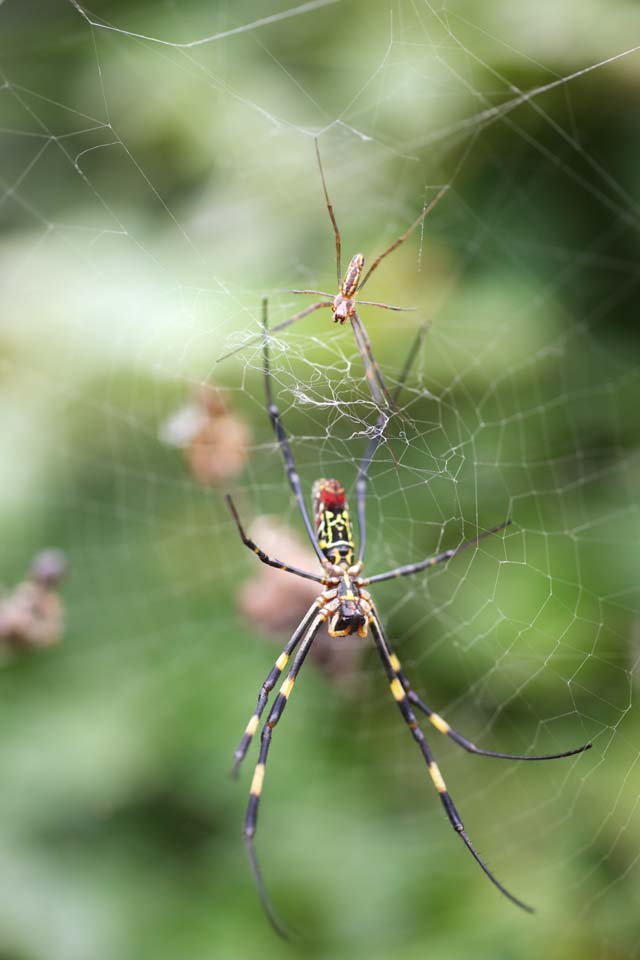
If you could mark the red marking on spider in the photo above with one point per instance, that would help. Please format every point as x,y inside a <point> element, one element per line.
<point>332,494</point>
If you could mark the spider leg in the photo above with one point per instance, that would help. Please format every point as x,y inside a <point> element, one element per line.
<point>400,696</point>
<point>274,414</point>
<point>268,686</point>
<point>279,326</point>
<point>331,213</point>
<point>442,726</point>
<point>251,818</point>
<point>261,555</point>
<point>313,293</point>
<point>374,443</point>
<point>373,303</point>
<point>396,243</point>
<point>298,316</point>
<point>410,569</point>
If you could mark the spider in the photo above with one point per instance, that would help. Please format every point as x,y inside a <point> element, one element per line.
<point>343,305</point>
<point>346,606</point>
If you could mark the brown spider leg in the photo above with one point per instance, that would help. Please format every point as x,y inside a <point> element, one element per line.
<point>374,443</point>
<point>312,293</point>
<point>401,699</point>
<point>299,316</point>
<point>411,568</point>
<point>280,326</point>
<point>396,243</point>
<point>374,303</point>
<point>442,726</point>
<point>331,214</point>
<point>251,819</point>
<point>269,684</point>
<point>261,555</point>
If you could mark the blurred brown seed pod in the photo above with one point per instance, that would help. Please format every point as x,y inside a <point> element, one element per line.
<point>215,439</point>
<point>32,615</point>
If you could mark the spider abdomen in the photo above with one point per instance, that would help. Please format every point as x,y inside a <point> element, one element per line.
<point>333,523</point>
<point>352,276</point>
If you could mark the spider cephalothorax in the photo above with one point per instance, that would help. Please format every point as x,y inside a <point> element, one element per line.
<point>347,604</point>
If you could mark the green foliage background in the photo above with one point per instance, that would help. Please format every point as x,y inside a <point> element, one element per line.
<point>150,195</point>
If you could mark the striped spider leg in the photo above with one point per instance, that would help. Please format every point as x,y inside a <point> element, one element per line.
<point>406,698</point>
<point>343,305</point>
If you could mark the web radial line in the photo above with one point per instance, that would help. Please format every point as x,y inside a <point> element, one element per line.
<point>331,213</point>
<point>274,414</point>
<point>190,44</point>
<point>374,443</point>
<point>400,696</point>
<point>251,819</point>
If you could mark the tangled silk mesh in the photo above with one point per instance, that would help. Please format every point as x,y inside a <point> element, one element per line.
<point>122,295</point>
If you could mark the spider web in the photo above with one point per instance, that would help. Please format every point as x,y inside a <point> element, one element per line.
<point>158,178</point>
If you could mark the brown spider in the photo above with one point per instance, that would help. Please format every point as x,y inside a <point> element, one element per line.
<point>343,304</point>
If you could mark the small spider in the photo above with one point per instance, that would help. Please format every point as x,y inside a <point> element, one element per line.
<point>346,606</point>
<point>344,304</point>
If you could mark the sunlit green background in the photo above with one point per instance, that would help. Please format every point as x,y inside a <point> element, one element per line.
<point>151,193</point>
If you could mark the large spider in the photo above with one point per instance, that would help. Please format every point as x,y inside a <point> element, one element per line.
<point>343,305</point>
<point>346,607</point>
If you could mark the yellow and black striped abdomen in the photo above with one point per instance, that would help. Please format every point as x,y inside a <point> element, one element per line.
<point>333,523</point>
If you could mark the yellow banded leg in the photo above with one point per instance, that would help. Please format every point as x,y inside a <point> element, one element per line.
<point>392,665</point>
<point>268,686</point>
<point>401,697</point>
<point>442,726</point>
<point>402,681</point>
<point>277,709</point>
<point>275,714</point>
